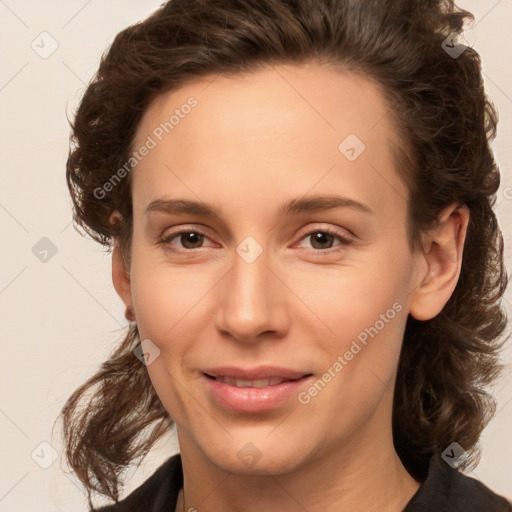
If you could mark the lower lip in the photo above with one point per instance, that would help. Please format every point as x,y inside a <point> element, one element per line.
<point>253,399</point>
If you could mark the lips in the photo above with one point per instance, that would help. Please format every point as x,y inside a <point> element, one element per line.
<point>253,390</point>
<point>260,372</point>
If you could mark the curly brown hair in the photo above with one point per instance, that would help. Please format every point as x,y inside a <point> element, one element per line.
<point>446,124</point>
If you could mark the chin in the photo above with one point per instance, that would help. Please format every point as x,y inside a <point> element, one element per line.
<point>255,458</point>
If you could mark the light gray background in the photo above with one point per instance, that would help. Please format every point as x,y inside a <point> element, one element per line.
<point>60,318</point>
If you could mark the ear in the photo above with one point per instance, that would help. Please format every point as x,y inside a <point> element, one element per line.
<point>441,261</point>
<point>121,275</point>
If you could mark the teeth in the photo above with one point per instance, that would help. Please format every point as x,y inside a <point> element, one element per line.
<point>240,383</point>
<point>259,383</point>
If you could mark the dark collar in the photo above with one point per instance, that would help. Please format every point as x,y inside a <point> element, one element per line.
<point>444,490</point>
<point>448,490</point>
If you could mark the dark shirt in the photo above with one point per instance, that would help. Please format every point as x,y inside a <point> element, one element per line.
<point>444,490</point>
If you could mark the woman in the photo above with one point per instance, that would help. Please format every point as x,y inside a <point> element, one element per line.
<point>299,198</point>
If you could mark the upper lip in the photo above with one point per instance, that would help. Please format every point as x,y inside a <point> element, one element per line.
<point>259,372</point>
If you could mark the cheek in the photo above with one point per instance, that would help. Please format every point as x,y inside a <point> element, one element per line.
<point>368,339</point>
<point>166,299</point>
<point>361,362</point>
<point>367,312</point>
<point>166,305</point>
<point>352,302</point>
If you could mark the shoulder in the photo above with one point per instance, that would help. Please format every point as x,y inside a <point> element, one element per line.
<point>448,490</point>
<point>158,493</point>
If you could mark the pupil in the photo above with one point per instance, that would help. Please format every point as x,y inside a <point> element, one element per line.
<point>319,236</point>
<point>191,238</point>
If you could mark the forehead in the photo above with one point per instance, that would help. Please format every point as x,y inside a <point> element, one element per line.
<point>280,130</point>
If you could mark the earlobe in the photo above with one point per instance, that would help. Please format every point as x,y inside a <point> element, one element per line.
<point>442,253</point>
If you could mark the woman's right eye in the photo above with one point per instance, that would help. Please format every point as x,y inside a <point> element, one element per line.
<point>189,239</point>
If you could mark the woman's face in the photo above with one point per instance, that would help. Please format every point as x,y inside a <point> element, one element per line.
<point>304,273</point>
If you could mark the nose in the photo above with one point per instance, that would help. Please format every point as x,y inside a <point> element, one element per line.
<point>252,301</point>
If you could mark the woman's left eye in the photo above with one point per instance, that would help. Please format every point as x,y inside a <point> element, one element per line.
<point>321,239</point>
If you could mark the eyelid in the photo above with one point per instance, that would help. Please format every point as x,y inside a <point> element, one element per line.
<point>344,234</point>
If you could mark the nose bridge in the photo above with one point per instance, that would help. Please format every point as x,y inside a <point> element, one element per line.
<point>250,302</point>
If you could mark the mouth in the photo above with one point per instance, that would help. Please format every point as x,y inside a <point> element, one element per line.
<point>256,390</point>
<point>256,383</point>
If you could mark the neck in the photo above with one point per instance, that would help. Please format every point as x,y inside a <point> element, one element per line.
<point>362,473</point>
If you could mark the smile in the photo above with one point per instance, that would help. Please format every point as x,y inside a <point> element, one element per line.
<point>242,383</point>
<point>250,391</point>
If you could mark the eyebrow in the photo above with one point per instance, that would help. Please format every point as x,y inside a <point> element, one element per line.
<point>312,203</point>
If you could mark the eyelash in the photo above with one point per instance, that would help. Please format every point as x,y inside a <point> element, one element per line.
<point>344,241</point>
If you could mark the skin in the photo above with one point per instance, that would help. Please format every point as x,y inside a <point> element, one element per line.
<point>253,142</point>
